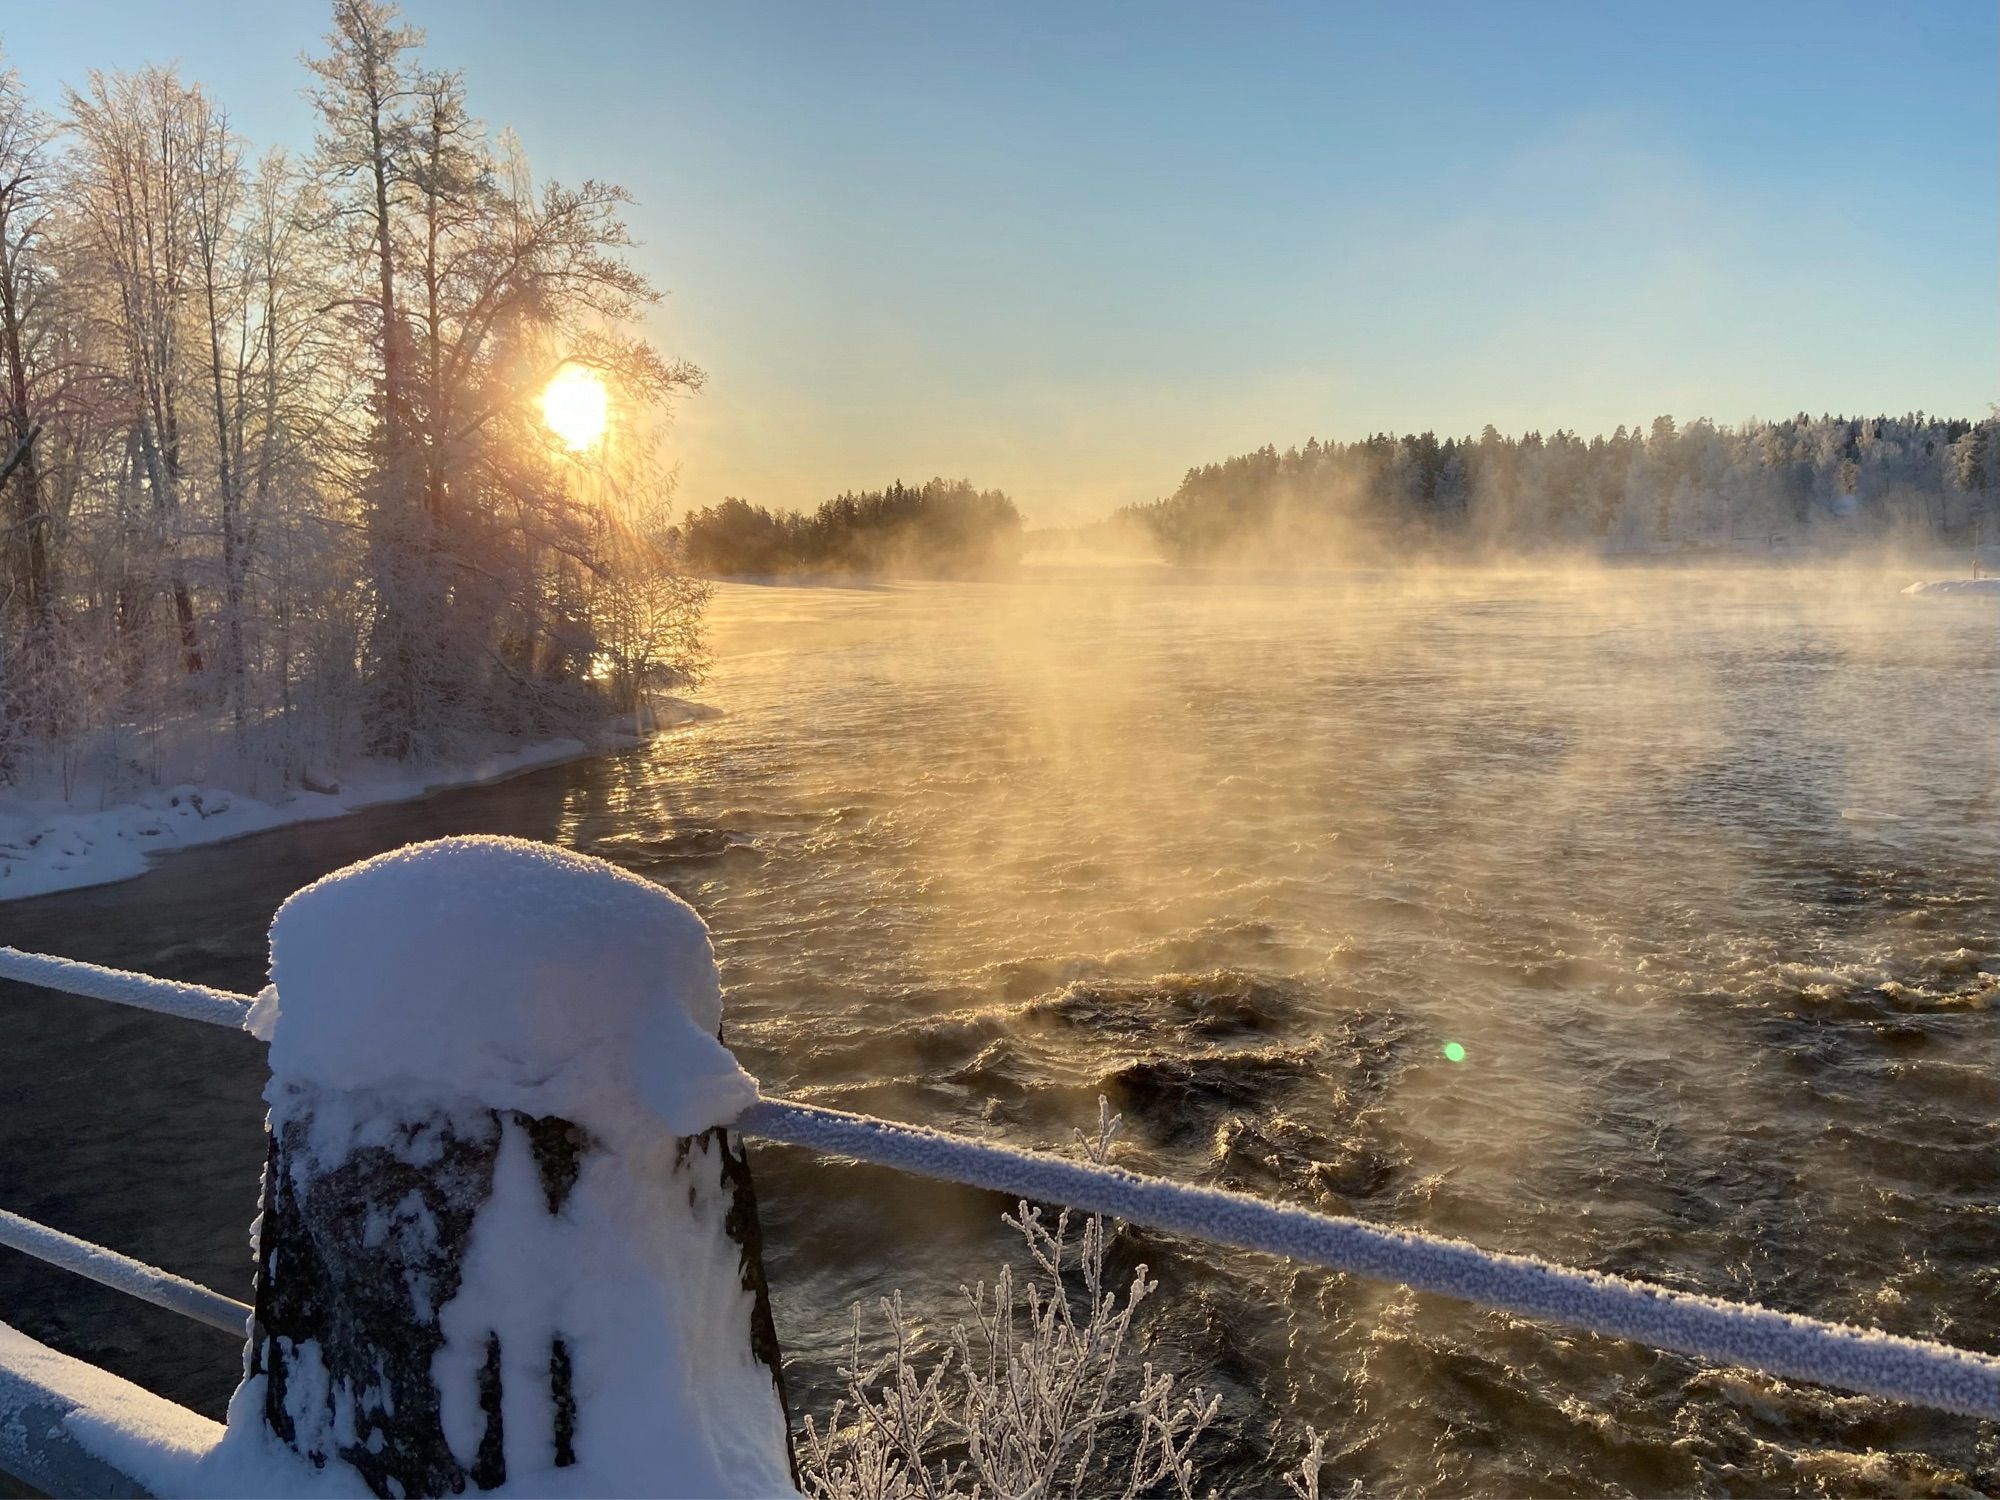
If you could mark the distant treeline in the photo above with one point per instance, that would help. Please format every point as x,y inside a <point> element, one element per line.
<point>1827,481</point>
<point>944,528</point>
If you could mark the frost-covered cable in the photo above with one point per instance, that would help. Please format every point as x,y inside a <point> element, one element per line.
<point>122,1273</point>
<point>191,1002</point>
<point>1857,1359</point>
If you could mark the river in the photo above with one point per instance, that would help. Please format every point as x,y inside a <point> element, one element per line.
<point>1697,869</point>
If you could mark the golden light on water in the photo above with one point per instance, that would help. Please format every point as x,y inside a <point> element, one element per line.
<point>575,406</point>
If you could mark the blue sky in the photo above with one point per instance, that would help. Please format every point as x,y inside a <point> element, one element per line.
<point>1072,249</point>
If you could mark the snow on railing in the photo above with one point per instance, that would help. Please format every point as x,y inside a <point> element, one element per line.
<point>191,1002</point>
<point>121,1273</point>
<point>1857,1359</point>
<point>1918,1371</point>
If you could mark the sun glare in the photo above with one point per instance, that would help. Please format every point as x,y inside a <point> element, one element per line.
<point>575,406</point>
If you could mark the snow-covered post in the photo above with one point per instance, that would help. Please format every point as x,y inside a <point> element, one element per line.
<point>507,1235</point>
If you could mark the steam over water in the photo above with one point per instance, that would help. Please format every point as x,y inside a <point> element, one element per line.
<point>1699,869</point>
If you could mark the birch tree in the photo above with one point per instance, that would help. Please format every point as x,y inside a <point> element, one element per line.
<point>131,181</point>
<point>271,442</point>
<point>27,624</point>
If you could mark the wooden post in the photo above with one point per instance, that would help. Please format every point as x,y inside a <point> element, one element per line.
<point>433,1273</point>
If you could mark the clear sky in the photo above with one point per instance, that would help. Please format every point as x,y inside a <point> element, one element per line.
<point>1070,249</point>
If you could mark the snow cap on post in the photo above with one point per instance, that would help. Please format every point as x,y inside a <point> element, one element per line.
<point>508,1243</point>
<point>512,973</point>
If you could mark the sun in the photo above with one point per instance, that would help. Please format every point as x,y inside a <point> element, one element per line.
<point>575,406</point>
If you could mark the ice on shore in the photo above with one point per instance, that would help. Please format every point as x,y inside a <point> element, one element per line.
<point>1938,586</point>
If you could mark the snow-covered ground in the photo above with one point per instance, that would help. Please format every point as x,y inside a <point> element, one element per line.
<point>1989,586</point>
<point>50,844</point>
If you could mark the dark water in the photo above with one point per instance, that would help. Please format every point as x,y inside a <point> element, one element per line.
<point>1699,869</point>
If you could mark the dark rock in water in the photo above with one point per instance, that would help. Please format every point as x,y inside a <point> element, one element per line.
<point>1181,1096</point>
<point>1298,1161</point>
<point>640,852</point>
<point>1220,1003</point>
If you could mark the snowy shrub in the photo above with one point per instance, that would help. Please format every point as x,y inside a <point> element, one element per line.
<point>1304,1480</point>
<point>1034,1393</point>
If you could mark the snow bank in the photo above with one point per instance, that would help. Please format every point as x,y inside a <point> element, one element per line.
<point>1987,586</point>
<point>497,1178</point>
<point>48,845</point>
<point>52,846</point>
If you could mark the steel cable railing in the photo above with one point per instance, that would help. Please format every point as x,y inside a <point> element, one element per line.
<point>1919,1371</point>
<point>1730,1333</point>
<point>191,1002</point>
<point>122,1273</point>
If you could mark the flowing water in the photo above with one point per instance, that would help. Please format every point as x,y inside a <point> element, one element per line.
<point>1697,869</point>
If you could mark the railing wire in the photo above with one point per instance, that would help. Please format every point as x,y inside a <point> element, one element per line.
<point>122,1273</point>
<point>1858,1359</point>
<point>191,1002</point>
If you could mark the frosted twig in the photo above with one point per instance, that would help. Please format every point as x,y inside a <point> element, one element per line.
<point>1033,1387</point>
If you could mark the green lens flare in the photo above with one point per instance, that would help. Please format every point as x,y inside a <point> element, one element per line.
<point>1453,1052</point>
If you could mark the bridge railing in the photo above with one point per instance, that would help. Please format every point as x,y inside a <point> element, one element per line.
<point>1918,1371</point>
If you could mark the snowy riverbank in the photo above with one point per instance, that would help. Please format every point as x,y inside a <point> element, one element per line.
<point>1987,586</point>
<point>49,845</point>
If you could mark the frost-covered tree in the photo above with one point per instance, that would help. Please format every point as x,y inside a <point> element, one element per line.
<point>272,457</point>
<point>1832,481</point>
<point>132,180</point>
<point>474,287</point>
<point>27,543</point>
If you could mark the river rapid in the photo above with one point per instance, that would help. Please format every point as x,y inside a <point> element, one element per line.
<point>1697,868</point>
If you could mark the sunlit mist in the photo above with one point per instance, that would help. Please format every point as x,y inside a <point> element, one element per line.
<point>1368,635</point>
<point>575,406</point>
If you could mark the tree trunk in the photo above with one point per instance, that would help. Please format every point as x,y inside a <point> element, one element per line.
<point>163,479</point>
